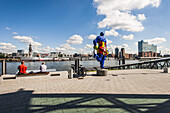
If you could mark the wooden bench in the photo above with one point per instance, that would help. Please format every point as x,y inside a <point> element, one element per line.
<point>33,74</point>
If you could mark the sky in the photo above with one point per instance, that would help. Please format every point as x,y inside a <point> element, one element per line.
<point>69,26</point>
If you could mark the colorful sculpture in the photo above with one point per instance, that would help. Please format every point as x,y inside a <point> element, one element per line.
<point>101,47</point>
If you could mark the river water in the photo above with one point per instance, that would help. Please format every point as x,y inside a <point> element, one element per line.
<point>59,65</point>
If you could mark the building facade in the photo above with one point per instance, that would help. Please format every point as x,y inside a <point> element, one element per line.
<point>20,51</point>
<point>116,52</point>
<point>146,50</point>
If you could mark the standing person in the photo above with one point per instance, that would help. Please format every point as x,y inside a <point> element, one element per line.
<point>101,47</point>
<point>43,67</point>
<point>22,68</point>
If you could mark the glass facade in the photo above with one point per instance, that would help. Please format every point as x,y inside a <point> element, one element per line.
<point>146,47</point>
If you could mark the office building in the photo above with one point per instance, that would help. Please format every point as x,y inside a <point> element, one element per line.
<point>146,50</point>
<point>116,52</point>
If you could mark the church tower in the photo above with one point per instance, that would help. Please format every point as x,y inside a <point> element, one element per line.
<point>30,51</point>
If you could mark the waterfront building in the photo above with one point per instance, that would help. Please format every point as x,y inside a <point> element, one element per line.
<point>146,50</point>
<point>20,51</point>
<point>122,52</point>
<point>54,54</point>
<point>116,52</point>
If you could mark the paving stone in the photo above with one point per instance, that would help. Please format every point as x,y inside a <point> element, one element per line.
<point>69,110</point>
<point>92,110</point>
<point>137,90</point>
<point>117,110</point>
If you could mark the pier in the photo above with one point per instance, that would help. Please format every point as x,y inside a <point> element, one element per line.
<point>122,91</point>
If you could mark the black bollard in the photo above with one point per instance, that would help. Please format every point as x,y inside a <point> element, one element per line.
<point>123,60</point>
<point>77,65</point>
<point>119,62</point>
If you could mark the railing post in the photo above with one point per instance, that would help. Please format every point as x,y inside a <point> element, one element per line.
<point>3,67</point>
<point>123,60</point>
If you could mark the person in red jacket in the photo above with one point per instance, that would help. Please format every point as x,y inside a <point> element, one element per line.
<point>22,68</point>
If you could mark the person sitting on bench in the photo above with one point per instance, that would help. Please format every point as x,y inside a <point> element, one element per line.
<point>22,68</point>
<point>43,67</point>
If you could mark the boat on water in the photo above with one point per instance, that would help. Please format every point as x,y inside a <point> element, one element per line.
<point>36,59</point>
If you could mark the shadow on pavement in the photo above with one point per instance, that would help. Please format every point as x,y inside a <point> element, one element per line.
<point>24,101</point>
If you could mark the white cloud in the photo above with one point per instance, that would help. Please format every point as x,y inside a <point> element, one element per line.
<point>124,45</point>
<point>47,49</point>
<point>15,33</point>
<point>75,39</point>
<point>60,49</point>
<point>128,37</point>
<point>7,28</point>
<point>118,13</point>
<point>111,48</point>
<point>81,51</point>
<point>112,32</point>
<point>141,17</point>
<point>156,40</point>
<point>108,41</point>
<point>164,50</point>
<point>7,47</point>
<point>153,41</point>
<point>92,36</point>
<point>67,47</point>
<point>27,40</point>
<point>88,46</point>
<point>136,43</point>
<point>84,51</point>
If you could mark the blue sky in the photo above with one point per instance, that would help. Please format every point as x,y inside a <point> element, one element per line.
<point>70,25</point>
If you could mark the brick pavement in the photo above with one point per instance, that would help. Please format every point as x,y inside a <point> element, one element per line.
<point>132,91</point>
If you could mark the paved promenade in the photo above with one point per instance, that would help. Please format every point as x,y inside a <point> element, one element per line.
<point>123,91</point>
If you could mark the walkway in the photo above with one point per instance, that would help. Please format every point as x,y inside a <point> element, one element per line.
<point>125,91</point>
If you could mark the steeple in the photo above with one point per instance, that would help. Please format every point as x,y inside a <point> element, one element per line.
<point>30,50</point>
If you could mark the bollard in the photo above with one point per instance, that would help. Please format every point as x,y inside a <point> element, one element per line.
<point>77,65</point>
<point>102,72</point>
<point>123,60</point>
<point>3,67</point>
<point>119,62</point>
<point>70,76</point>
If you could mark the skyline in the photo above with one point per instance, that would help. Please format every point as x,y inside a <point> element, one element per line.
<point>70,26</point>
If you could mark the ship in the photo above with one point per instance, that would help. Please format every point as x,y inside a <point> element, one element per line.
<point>36,59</point>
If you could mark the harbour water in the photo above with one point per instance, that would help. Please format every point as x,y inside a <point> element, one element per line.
<point>60,65</point>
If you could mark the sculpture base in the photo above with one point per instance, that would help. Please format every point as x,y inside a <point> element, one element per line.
<point>102,72</point>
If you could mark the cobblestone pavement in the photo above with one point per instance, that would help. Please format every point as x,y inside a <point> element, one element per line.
<point>123,91</point>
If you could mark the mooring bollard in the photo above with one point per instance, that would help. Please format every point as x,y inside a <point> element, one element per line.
<point>77,65</point>
<point>123,60</point>
<point>3,67</point>
<point>70,74</point>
